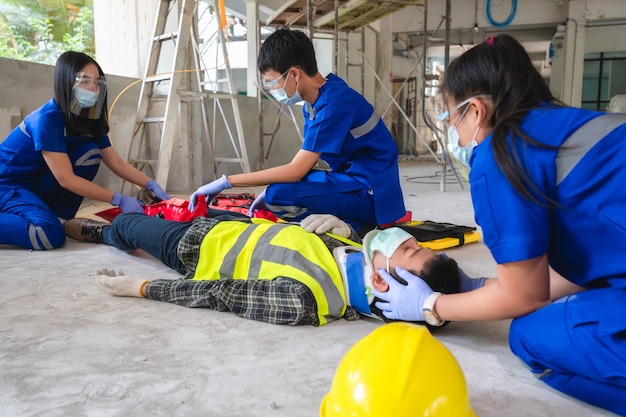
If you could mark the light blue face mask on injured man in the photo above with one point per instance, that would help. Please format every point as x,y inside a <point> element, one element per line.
<point>356,265</point>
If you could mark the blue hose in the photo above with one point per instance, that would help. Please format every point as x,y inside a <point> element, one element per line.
<point>507,21</point>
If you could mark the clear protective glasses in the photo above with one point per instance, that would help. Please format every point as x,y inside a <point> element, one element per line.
<point>270,85</point>
<point>87,82</point>
<point>445,116</point>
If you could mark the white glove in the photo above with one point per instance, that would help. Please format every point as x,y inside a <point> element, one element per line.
<point>119,284</point>
<point>322,223</point>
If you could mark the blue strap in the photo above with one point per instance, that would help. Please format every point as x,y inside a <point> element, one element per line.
<point>354,272</point>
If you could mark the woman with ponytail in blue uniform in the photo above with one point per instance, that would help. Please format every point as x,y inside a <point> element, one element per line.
<point>548,188</point>
<point>48,162</point>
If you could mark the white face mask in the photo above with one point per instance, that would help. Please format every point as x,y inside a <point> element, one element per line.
<point>384,241</point>
<point>86,98</point>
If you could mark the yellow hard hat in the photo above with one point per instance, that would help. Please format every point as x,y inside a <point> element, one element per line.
<point>398,370</point>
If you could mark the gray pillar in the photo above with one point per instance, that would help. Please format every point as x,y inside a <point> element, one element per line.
<point>124,31</point>
<point>252,18</point>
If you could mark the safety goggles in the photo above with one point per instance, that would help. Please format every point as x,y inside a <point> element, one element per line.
<point>270,85</point>
<point>87,82</point>
<point>445,116</point>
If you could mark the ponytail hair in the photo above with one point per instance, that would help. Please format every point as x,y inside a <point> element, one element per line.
<point>501,68</point>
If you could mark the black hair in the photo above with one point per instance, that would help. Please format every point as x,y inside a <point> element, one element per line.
<point>439,272</point>
<point>501,68</point>
<point>67,66</point>
<point>287,48</point>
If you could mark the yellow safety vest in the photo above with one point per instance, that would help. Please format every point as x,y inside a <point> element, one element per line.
<point>267,250</point>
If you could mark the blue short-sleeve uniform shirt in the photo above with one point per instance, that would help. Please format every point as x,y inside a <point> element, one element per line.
<point>584,235</point>
<point>21,162</point>
<point>353,140</point>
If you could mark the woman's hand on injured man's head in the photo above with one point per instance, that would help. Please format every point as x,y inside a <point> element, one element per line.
<point>467,283</point>
<point>403,302</point>
<point>322,223</point>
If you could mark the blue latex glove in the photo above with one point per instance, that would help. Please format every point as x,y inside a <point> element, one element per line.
<point>153,186</point>
<point>258,203</point>
<point>126,203</point>
<point>403,302</point>
<point>210,190</point>
<point>466,282</point>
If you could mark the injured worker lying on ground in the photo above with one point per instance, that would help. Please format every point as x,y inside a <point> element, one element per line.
<point>279,273</point>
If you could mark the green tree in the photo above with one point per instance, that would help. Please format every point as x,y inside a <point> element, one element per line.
<point>40,30</point>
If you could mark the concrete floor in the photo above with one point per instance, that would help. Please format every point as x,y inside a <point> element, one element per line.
<point>70,349</point>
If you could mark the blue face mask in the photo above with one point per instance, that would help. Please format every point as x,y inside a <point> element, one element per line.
<point>281,95</point>
<point>86,98</point>
<point>461,154</point>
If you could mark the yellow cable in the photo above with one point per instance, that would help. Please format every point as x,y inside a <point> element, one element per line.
<point>151,76</point>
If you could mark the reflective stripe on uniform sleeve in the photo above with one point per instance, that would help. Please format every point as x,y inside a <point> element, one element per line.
<point>582,140</point>
<point>366,127</point>
<point>22,127</point>
<point>88,158</point>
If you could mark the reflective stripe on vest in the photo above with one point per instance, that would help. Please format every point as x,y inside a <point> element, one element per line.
<point>582,140</point>
<point>267,250</point>
<point>366,127</point>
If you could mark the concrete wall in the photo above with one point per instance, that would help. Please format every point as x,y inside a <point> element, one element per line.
<point>26,86</point>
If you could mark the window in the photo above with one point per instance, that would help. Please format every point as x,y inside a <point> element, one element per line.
<point>604,76</point>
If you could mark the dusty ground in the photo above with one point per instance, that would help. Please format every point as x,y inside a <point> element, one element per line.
<point>70,349</point>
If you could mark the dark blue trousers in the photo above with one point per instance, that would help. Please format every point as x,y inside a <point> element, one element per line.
<point>29,216</point>
<point>156,236</point>
<point>577,345</point>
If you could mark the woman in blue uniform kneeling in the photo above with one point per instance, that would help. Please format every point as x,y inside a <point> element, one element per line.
<point>48,162</point>
<point>548,188</point>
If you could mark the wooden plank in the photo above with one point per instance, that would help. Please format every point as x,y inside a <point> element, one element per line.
<point>358,13</point>
<point>294,12</point>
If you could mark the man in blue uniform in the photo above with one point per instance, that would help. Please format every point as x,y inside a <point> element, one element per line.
<point>341,128</point>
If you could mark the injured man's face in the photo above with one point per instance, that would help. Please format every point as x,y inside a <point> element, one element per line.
<point>409,255</point>
<point>391,248</point>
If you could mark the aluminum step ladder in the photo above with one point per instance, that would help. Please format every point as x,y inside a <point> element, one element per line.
<point>175,78</point>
